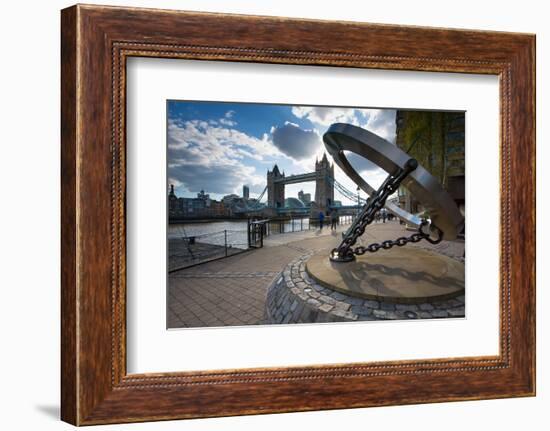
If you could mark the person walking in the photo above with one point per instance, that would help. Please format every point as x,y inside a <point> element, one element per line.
<point>321,219</point>
<point>333,219</point>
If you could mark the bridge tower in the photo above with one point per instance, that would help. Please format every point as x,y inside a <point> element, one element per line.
<point>275,190</point>
<point>324,188</point>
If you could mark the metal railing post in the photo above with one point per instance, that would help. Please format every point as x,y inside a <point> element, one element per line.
<point>261,236</point>
<point>248,232</point>
<point>225,240</point>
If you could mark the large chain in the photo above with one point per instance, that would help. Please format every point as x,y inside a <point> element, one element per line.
<point>401,241</point>
<point>344,252</point>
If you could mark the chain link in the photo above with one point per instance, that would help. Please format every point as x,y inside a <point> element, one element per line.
<point>345,252</point>
<point>401,241</point>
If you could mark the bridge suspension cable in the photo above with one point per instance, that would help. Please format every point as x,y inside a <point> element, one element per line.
<point>352,196</point>
<point>261,195</point>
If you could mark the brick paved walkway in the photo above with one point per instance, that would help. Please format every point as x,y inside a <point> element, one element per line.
<point>233,291</point>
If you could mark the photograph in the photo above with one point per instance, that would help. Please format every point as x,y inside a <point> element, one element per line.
<point>285,214</point>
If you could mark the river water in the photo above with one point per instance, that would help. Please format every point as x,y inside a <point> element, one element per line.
<point>232,232</point>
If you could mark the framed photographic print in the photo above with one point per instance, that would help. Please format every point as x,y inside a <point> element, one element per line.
<point>224,148</point>
<point>254,209</point>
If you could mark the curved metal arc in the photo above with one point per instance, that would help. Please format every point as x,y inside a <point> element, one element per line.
<point>343,163</point>
<point>423,186</point>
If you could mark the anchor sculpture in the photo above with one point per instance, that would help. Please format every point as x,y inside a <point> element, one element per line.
<point>445,221</point>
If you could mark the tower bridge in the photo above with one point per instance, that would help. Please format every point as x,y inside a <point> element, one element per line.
<point>296,179</point>
<point>324,188</point>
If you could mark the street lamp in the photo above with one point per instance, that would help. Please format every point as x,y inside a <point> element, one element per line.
<point>358,201</point>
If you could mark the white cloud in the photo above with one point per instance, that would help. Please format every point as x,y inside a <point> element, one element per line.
<point>227,122</point>
<point>175,182</point>
<point>379,121</point>
<point>209,154</point>
<point>325,116</point>
<point>207,144</point>
<point>204,155</point>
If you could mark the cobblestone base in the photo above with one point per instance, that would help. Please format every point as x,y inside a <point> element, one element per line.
<point>294,297</point>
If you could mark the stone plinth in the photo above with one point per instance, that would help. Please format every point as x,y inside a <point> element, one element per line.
<point>405,275</point>
<point>295,297</point>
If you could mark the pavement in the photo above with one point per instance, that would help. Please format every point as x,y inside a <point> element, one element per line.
<point>233,290</point>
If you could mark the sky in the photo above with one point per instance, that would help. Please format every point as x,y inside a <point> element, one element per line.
<point>219,146</point>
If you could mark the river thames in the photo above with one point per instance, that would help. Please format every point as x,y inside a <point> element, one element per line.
<point>230,232</point>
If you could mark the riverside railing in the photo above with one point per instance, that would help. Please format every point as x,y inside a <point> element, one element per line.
<point>186,251</point>
<point>189,250</point>
<point>303,224</point>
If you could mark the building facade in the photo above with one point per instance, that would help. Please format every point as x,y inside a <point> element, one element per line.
<point>437,141</point>
<point>304,197</point>
<point>194,208</point>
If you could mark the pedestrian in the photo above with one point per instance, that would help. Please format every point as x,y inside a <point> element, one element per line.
<point>333,219</point>
<point>321,219</point>
<point>384,215</point>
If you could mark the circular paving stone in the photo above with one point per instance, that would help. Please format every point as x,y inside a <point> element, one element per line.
<point>406,275</point>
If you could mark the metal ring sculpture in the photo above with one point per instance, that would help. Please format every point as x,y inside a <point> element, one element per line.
<point>444,213</point>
